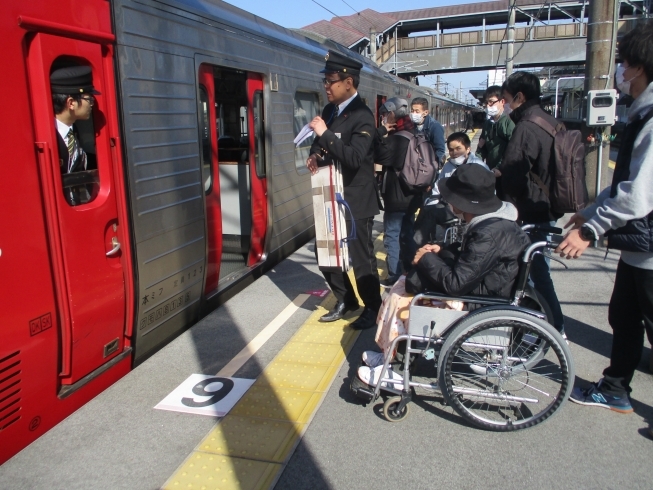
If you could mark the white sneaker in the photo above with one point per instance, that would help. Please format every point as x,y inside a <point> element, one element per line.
<point>373,358</point>
<point>371,376</point>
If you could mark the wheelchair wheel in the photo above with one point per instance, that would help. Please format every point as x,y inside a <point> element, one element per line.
<point>488,376</point>
<point>532,347</point>
<point>390,409</point>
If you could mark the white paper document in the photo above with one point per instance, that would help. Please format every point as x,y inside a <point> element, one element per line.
<point>306,132</point>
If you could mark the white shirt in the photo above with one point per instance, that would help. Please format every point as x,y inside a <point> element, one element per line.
<point>63,130</point>
<point>343,105</point>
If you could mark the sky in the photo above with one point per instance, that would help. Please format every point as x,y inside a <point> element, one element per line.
<point>300,13</point>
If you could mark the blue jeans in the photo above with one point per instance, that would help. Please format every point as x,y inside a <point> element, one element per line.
<point>398,228</point>
<point>540,279</point>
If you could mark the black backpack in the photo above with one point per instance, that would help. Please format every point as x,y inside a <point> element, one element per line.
<point>420,165</point>
<point>567,192</point>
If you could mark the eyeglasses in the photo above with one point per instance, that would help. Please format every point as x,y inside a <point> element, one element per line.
<point>328,83</point>
<point>90,99</point>
<point>490,103</point>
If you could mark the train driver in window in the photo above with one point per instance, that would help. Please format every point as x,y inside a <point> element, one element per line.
<point>72,100</point>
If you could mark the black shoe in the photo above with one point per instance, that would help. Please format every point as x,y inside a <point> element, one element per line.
<point>366,320</point>
<point>339,311</point>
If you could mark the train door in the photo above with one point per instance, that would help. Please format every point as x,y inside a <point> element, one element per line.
<point>380,100</point>
<point>87,233</point>
<point>234,171</point>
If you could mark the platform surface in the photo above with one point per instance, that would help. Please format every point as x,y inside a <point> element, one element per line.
<point>299,425</point>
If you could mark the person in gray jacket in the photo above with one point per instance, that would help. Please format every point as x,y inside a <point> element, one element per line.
<point>624,213</point>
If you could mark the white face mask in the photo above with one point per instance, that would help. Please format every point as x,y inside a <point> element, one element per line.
<point>416,118</point>
<point>623,85</point>
<point>458,160</point>
<point>492,111</point>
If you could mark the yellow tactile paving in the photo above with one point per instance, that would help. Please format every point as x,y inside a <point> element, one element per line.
<point>305,353</point>
<point>252,438</point>
<point>248,448</point>
<point>203,471</point>
<point>278,403</point>
<point>299,376</point>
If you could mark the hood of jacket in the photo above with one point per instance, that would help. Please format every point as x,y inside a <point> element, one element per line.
<point>506,211</point>
<point>642,104</point>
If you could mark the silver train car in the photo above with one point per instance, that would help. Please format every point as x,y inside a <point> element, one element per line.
<point>197,76</point>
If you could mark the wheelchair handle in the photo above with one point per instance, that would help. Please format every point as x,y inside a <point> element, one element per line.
<point>543,228</point>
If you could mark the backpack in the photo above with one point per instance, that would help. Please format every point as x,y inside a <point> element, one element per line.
<point>567,192</point>
<point>420,165</point>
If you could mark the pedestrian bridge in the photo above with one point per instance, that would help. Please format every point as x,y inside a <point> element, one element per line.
<point>560,44</point>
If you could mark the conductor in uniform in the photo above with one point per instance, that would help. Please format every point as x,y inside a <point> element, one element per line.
<point>345,133</point>
<point>72,100</point>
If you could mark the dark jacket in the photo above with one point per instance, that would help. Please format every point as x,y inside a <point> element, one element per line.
<point>496,135</point>
<point>435,134</point>
<point>487,264</point>
<point>390,152</point>
<point>530,149</point>
<point>349,140</point>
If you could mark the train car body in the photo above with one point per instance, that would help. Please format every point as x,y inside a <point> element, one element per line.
<point>195,188</point>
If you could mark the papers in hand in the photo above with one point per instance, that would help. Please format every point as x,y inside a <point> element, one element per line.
<point>306,132</point>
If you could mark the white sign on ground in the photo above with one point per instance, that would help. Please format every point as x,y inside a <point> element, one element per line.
<point>205,394</point>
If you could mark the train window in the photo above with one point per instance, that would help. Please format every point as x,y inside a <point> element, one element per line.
<point>73,113</point>
<point>207,170</point>
<point>306,108</point>
<point>259,134</point>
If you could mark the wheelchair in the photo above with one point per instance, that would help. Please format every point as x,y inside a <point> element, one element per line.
<point>501,366</point>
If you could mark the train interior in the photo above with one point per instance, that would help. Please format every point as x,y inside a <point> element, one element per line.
<point>232,142</point>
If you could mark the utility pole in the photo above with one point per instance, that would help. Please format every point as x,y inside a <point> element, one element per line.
<point>437,84</point>
<point>599,70</point>
<point>511,37</point>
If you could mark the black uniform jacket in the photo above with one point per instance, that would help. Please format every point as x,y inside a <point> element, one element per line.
<point>354,149</point>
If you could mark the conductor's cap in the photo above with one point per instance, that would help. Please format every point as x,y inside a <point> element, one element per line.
<point>335,62</point>
<point>72,80</point>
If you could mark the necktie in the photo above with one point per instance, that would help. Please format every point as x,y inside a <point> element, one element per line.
<point>70,143</point>
<point>333,115</point>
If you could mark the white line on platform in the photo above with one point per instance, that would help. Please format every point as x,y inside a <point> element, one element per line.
<point>264,335</point>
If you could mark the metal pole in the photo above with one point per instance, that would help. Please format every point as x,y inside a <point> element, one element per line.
<point>373,44</point>
<point>511,38</point>
<point>600,54</point>
<point>555,111</point>
<point>396,50</point>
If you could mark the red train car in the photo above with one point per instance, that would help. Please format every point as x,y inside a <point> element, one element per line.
<point>68,316</point>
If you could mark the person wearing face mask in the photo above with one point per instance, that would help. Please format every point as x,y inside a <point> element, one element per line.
<point>496,132</point>
<point>624,213</point>
<point>432,129</point>
<point>529,158</point>
<point>398,215</point>
<point>460,153</point>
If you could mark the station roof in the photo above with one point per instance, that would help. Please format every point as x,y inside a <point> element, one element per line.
<point>349,30</point>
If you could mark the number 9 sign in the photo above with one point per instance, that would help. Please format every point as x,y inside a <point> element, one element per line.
<point>206,395</point>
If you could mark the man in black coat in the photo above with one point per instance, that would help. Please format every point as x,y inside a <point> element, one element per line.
<point>526,171</point>
<point>345,133</point>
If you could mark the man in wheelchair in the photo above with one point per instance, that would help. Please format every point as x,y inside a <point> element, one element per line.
<point>486,263</point>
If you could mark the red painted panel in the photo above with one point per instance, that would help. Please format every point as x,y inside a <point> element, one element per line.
<point>212,199</point>
<point>258,184</point>
<point>31,330</point>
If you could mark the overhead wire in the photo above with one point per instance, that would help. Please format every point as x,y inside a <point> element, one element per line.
<point>368,20</point>
<point>530,29</point>
<point>335,15</point>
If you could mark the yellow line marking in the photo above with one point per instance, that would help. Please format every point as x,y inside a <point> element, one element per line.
<point>249,448</point>
<point>612,164</point>
<point>264,335</point>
